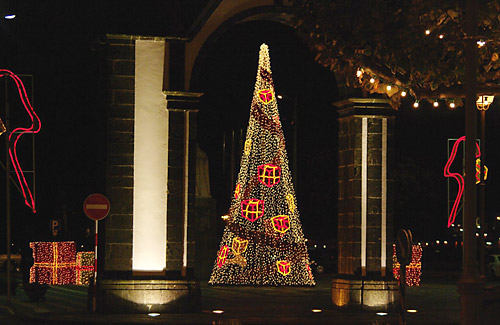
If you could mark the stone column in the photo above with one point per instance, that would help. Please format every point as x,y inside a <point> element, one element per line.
<point>182,109</point>
<point>365,215</point>
<point>150,184</point>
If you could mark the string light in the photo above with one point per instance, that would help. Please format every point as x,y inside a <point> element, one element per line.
<point>441,36</point>
<point>480,43</point>
<point>54,263</point>
<point>427,31</point>
<point>416,104</point>
<point>359,73</point>
<point>452,104</point>
<point>263,243</point>
<point>435,103</point>
<point>389,87</point>
<point>372,80</point>
<point>403,93</point>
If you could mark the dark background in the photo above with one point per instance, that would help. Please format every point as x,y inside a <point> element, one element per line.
<point>58,43</point>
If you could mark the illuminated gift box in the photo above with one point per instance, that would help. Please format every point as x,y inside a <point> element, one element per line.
<point>281,223</point>
<point>252,209</point>
<point>283,267</point>
<point>84,267</point>
<point>269,175</point>
<point>239,245</point>
<point>55,262</point>
<point>222,256</point>
<point>266,95</point>
<point>413,270</point>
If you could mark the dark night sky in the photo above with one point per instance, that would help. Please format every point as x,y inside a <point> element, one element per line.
<point>55,41</point>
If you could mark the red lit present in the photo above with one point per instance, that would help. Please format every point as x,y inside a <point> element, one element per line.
<point>281,223</point>
<point>283,267</point>
<point>413,270</point>
<point>222,256</point>
<point>84,267</point>
<point>252,209</point>
<point>269,175</point>
<point>266,95</point>
<point>55,263</point>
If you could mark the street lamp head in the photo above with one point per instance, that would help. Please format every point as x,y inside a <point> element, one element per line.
<point>484,101</point>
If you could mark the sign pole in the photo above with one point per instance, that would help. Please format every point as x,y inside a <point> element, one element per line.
<point>94,291</point>
<point>96,207</point>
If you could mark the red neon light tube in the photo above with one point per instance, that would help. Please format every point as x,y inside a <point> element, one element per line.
<point>458,177</point>
<point>15,134</point>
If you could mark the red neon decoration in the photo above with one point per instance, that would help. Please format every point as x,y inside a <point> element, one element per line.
<point>17,133</point>
<point>252,209</point>
<point>458,177</point>
<point>269,175</point>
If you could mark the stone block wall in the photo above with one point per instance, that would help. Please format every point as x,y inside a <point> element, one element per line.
<point>120,152</point>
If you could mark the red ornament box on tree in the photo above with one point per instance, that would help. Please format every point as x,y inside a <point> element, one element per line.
<point>55,263</point>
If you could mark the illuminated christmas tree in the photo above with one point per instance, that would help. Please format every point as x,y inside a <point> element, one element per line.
<point>263,243</point>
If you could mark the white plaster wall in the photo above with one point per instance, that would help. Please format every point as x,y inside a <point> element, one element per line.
<point>150,159</point>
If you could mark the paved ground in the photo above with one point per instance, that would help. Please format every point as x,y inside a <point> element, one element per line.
<point>436,302</point>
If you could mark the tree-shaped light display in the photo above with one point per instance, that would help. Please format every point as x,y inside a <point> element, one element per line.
<point>263,243</point>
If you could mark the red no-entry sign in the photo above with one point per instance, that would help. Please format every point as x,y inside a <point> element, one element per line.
<point>96,206</point>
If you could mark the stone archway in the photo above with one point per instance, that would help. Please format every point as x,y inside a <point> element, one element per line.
<point>152,113</point>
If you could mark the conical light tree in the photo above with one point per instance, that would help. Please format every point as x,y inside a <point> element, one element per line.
<point>263,243</point>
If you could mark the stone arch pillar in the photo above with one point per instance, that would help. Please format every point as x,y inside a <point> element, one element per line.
<point>148,253</point>
<point>365,224</point>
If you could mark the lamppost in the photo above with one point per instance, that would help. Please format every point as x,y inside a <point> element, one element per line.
<point>482,104</point>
